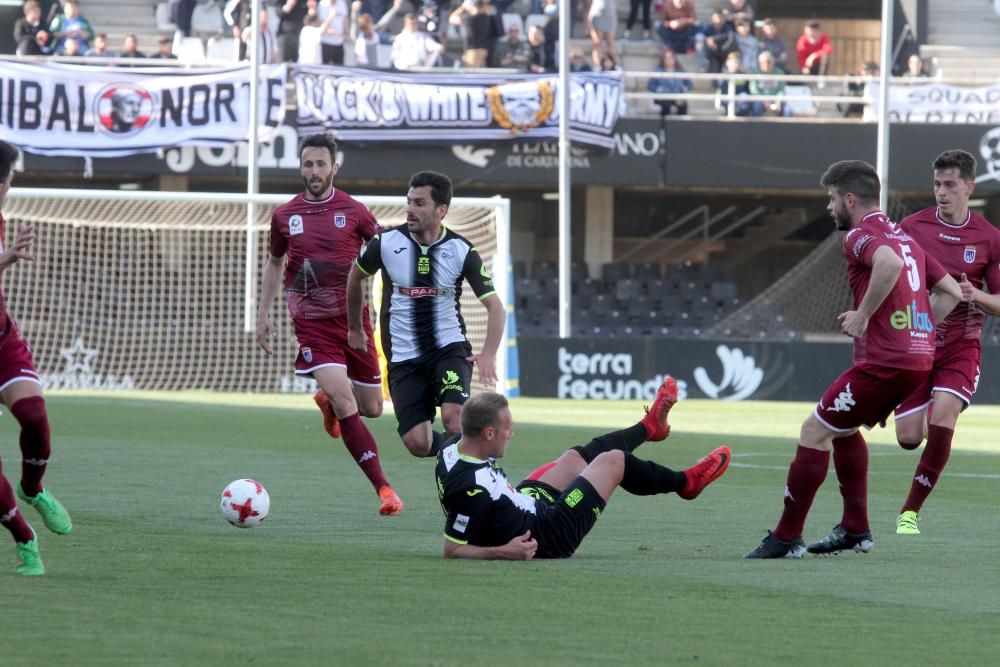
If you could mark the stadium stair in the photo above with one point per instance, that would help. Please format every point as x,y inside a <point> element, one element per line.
<point>962,38</point>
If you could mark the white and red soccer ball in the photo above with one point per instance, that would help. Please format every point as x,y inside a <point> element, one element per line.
<point>245,503</point>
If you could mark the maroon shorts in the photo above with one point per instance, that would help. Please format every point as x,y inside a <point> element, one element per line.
<point>865,395</point>
<point>323,343</point>
<point>956,371</point>
<point>16,363</point>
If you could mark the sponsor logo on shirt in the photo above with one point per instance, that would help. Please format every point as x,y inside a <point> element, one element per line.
<point>417,292</point>
<point>461,523</point>
<point>948,237</point>
<point>295,226</point>
<point>340,221</point>
<point>913,319</point>
<point>970,254</point>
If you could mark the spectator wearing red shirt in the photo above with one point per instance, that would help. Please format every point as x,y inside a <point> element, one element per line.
<point>814,49</point>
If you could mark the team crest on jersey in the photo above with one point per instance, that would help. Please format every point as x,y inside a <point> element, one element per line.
<point>295,225</point>
<point>307,354</point>
<point>970,254</point>
<point>340,221</point>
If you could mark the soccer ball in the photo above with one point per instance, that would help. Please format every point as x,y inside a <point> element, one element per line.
<point>245,503</point>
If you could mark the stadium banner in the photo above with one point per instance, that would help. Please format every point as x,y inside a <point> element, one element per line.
<point>633,368</point>
<point>80,110</point>
<point>374,105</point>
<point>938,103</point>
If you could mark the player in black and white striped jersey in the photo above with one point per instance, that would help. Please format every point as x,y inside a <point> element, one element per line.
<point>430,359</point>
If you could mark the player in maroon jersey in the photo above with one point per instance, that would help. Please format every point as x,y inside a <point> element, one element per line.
<point>968,247</point>
<point>21,392</point>
<point>313,241</point>
<point>893,333</point>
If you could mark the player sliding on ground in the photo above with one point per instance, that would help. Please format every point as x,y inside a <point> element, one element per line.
<point>550,512</point>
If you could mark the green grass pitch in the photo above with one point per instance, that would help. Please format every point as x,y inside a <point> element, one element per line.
<point>153,575</point>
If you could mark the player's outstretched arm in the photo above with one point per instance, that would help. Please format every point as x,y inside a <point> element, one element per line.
<point>988,302</point>
<point>270,283</point>
<point>522,547</point>
<point>20,248</point>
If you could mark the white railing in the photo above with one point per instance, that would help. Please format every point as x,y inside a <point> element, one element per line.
<point>815,84</point>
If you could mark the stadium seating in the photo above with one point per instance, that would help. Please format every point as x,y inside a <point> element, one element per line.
<point>221,48</point>
<point>510,19</point>
<point>163,22</point>
<point>207,19</point>
<point>189,50</point>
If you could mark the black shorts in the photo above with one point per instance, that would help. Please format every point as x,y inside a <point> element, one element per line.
<point>418,386</point>
<point>563,519</point>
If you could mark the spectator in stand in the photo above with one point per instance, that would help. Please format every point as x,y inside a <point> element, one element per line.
<point>480,32</point>
<point>71,25</point>
<point>366,41</point>
<point>678,25</point>
<point>766,65</point>
<point>551,32</point>
<point>268,44</point>
<point>413,47</point>
<point>371,7</point>
<point>71,48</point>
<point>740,88</point>
<point>578,62</point>
<point>181,12</point>
<point>100,48</point>
<point>512,51</point>
<point>381,27</point>
<point>538,58</point>
<point>291,18</point>
<point>915,67</point>
<point>747,45</point>
<point>29,34</point>
<point>603,19</point>
<point>609,64</point>
<point>130,48</point>
<point>236,14</point>
<point>739,10</point>
<point>769,40</point>
<point>165,49</point>
<point>310,51</point>
<point>814,49</point>
<point>633,14</point>
<point>720,41</point>
<point>429,17</point>
<point>670,85</point>
<point>866,69</point>
<point>336,31</point>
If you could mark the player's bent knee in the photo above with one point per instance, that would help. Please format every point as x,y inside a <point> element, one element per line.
<point>908,445</point>
<point>371,408</point>
<point>614,459</point>
<point>417,446</point>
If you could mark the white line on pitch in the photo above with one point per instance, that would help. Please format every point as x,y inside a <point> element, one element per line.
<point>973,475</point>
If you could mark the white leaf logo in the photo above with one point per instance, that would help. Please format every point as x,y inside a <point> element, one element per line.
<point>740,375</point>
<point>477,158</point>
